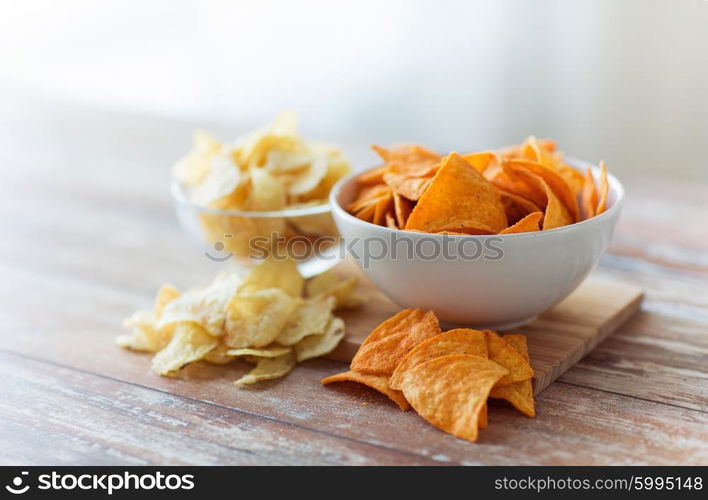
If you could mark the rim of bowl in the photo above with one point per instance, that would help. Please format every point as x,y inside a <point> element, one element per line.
<point>181,198</point>
<point>615,187</point>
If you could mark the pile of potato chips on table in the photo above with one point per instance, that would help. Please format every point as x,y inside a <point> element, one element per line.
<point>518,189</point>
<point>446,377</point>
<point>268,170</point>
<point>270,317</point>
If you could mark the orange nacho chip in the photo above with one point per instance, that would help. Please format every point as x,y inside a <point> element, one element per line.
<point>505,355</point>
<point>458,194</point>
<point>604,188</point>
<point>556,214</point>
<point>381,208</point>
<point>516,207</point>
<point>458,341</point>
<point>374,176</point>
<point>589,195</point>
<point>402,208</point>
<point>388,344</point>
<point>377,382</point>
<point>505,180</point>
<point>407,186</point>
<point>480,161</point>
<point>554,181</point>
<point>519,394</point>
<point>528,224</point>
<point>527,178</point>
<point>451,391</point>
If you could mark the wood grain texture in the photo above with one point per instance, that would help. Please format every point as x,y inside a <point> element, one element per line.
<point>557,339</point>
<point>88,235</point>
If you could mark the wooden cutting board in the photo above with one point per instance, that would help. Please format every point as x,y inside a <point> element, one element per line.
<point>557,340</point>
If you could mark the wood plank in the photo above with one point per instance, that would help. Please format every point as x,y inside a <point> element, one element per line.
<point>557,340</point>
<point>78,331</point>
<point>99,421</point>
<point>630,431</point>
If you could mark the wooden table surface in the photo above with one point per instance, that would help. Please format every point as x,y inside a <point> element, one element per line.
<point>88,235</point>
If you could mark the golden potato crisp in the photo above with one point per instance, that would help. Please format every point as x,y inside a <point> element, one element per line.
<point>314,346</point>
<point>310,317</point>
<point>505,355</point>
<point>458,341</point>
<point>450,392</point>
<point>260,316</point>
<point>256,319</point>
<point>376,382</point>
<point>388,344</point>
<point>269,368</point>
<point>165,295</point>
<point>461,196</point>
<point>143,336</point>
<point>190,342</point>
<point>270,351</point>
<point>274,273</point>
<point>519,394</point>
<point>205,306</point>
<point>343,290</point>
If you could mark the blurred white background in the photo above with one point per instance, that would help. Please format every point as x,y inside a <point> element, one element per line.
<point>623,80</point>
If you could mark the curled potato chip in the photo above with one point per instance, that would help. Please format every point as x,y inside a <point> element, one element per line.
<point>274,273</point>
<point>190,342</point>
<point>268,369</point>
<point>458,341</point>
<point>254,319</point>
<point>310,317</point>
<point>308,180</point>
<point>271,351</point>
<point>205,306</point>
<point>389,343</point>
<point>458,193</point>
<point>528,224</point>
<point>219,355</point>
<point>193,168</point>
<point>267,191</point>
<point>519,394</point>
<point>376,382</point>
<point>221,180</point>
<point>505,355</point>
<point>314,346</point>
<point>144,336</point>
<point>343,290</point>
<point>165,295</point>
<point>451,391</point>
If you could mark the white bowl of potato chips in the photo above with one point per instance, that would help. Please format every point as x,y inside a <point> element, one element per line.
<point>263,192</point>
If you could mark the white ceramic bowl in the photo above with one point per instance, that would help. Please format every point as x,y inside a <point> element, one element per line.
<point>513,278</point>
